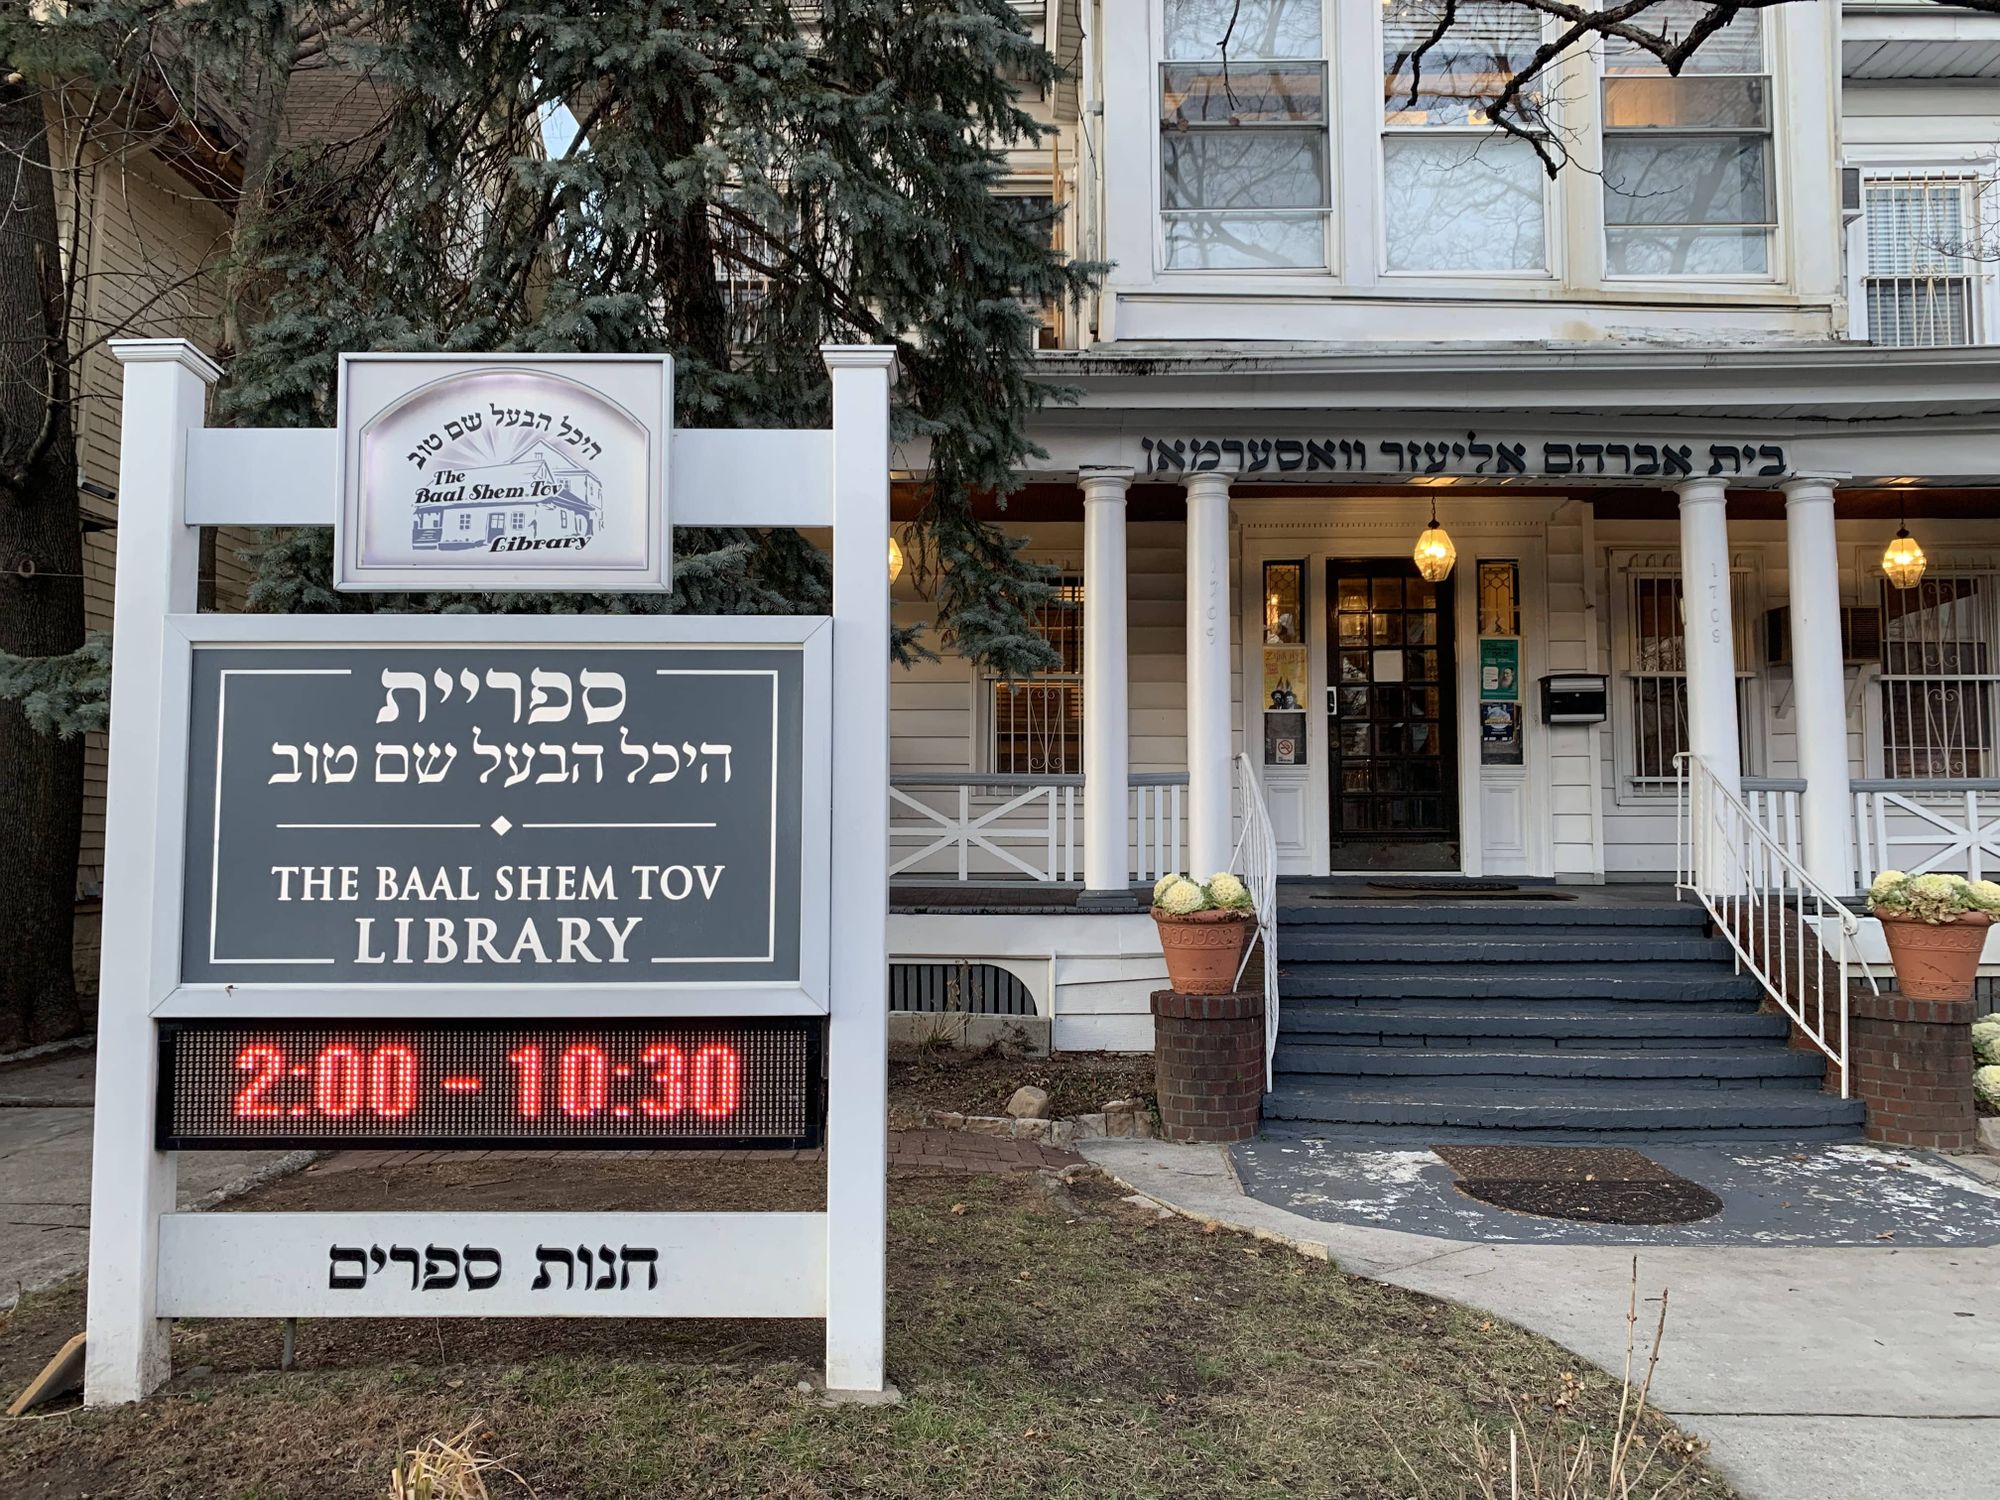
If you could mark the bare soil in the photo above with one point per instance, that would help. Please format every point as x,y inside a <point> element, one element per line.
<point>980,1083</point>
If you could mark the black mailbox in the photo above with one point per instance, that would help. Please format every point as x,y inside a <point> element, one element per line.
<point>1573,698</point>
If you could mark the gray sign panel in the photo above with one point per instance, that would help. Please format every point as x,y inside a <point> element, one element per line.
<point>391,815</point>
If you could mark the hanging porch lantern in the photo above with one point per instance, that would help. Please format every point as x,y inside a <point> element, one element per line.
<point>1903,561</point>
<point>895,560</point>
<point>1435,552</point>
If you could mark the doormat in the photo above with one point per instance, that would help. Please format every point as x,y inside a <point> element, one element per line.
<point>1447,887</point>
<point>1591,1184</point>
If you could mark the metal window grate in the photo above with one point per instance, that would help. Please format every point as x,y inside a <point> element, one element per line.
<point>971,989</point>
<point>1038,721</point>
<point>1657,677</point>
<point>1939,683</point>
<point>1920,288</point>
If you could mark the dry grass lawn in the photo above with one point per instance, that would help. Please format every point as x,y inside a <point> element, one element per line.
<point>1052,1344</point>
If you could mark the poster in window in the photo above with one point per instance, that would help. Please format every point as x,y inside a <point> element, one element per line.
<point>1499,671</point>
<point>1284,677</point>
<point>1285,739</point>
<point>1500,734</point>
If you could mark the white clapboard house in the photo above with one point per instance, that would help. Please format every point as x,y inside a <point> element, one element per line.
<point>1664,406</point>
<point>539,494</point>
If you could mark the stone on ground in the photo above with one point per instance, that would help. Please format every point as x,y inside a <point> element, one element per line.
<point>1029,1103</point>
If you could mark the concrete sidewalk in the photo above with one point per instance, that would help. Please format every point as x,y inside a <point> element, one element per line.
<point>1814,1374</point>
<point>45,1124</point>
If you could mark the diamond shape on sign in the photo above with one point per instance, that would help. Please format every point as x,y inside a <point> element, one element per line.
<point>500,826</point>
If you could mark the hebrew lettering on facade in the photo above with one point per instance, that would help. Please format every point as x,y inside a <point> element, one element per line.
<point>1421,455</point>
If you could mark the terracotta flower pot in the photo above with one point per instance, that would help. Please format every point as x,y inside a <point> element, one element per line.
<point>1936,962</point>
<point>1203,948</point>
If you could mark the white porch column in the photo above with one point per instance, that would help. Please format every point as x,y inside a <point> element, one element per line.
<point>1708,630</point>
<point>1209,835</point>
<point>1819,694</point>
<point>1107,877</point>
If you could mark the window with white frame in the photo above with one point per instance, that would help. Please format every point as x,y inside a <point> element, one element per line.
<point>1655,712</point>
<point>1920,287</point>
<point>1688,164</point>
<point>1457,195</point>
<point>1037,722</point>
<point>1940,691</point>
<point>1243,135</point>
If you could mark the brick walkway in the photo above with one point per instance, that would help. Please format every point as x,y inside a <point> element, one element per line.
<point>932,1150</point>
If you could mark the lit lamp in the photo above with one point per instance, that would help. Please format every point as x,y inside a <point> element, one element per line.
<point>1435,553</point>
<point>895,560</point>
<point>1903,560</point>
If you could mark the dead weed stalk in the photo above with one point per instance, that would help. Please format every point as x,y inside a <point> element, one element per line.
<point>1543,1462</point>
<point>450,1468</point>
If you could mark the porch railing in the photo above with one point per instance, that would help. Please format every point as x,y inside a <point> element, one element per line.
<point>1779,921</point>
<point>1774,804</point>
<point>949,825</point>
<point>1256,864</point>
<point>1926,827</point>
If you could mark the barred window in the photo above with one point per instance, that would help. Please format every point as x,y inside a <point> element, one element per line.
<point>1656,678</point>
<point>1921,290</point>
<point>1038,721</point>
<point>1939,683</point>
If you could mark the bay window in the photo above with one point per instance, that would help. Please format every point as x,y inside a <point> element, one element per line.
<point>1457,195</point>
<point>1688,187</point>
<point>1243,135</point>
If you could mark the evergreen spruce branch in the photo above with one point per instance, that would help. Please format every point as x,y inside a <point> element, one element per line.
<point>62,696</point>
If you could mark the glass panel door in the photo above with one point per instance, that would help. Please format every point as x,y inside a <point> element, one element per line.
<point>1391,717</point>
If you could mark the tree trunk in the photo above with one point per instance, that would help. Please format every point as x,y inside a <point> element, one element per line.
<point>41,589</point>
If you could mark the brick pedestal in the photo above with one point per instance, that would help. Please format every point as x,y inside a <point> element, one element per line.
<point>1208,1062</point>
<point>1912,1067</point>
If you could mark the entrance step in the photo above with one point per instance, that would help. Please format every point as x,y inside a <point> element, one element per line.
<point>1703,1067</point>
<point>1490,944</point>
<point>1588,1024</point>
<point>1543,1104</point>
<point>1295,913</point>
<point>1460,980</point>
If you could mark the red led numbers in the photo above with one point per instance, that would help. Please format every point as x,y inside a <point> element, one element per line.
<point>710,1083</point>
<point>267,1063</point>
<point>436,1083</point>
<point>344,1081</point>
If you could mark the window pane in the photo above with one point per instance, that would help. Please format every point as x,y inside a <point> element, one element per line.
<point>1736,48</point>
<point>1486,44</point>
<point>1638,103</point>
<point>1668,251</point>
<point>1462,203</point>
<point>1710,179</point>
<point>1212,95</point>
<point>1239,241</point>
<point>1243,169</point>
<point>1255,28</point>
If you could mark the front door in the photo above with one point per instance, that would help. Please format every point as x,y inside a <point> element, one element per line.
<point>1391,717</point>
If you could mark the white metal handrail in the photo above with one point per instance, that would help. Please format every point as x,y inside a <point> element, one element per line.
<point>1754,890</point>
<point>1007,826</point>
<point>1256,864</point>
<point>1919,826</point>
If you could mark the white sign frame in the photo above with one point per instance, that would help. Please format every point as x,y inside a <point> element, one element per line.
<point>150,1263</point>
<point>169,998</point>
<point>371,388</point>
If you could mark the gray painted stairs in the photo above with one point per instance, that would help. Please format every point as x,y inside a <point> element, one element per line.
<point>1433,1020</point>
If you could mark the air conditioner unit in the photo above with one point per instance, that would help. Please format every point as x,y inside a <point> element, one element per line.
<point>1850,195</point>
<point>1860,635</point>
